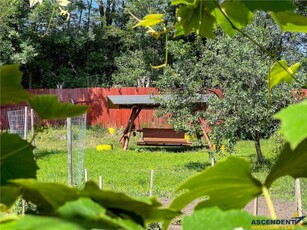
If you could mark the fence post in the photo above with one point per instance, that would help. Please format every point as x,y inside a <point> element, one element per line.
<point>151,182</point>
<point>298,197</point>
<point>69,143</point>
<point>85,175</point>
<point>25,124</point>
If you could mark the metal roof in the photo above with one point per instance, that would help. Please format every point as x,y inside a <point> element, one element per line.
<point>149,101</point>
<point>129,101</point>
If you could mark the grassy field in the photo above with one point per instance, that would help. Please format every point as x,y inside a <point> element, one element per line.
<point>129,171</point>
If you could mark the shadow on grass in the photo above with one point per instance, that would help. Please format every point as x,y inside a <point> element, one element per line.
<point>170,149</point>
<point>197,166</point>
<point>265,166</point>
<point>46,153</point>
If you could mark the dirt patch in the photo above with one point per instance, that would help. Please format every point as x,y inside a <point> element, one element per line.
<point>283,209</point>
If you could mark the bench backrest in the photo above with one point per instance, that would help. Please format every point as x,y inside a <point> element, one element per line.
<point>161,133</point>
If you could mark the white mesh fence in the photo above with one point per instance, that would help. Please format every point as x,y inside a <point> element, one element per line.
<point>78,128</point>
<point>19,122</point>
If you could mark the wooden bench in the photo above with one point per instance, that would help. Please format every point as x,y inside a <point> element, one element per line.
<point>164,137</point>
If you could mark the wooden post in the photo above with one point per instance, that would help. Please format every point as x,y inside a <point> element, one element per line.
<point>151,182</point>
<point>25,130</point>
<point>203,123</point>
<point>23,204</point>
<point>32,126</point>
<point>100,182</point>
<point>85,175</point>
<point>256,209</point>
<point>212,158</point>
<point>69,144</point>
<point>298,197</point>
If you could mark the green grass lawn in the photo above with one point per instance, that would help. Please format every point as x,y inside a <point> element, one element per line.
<point>129,171</point>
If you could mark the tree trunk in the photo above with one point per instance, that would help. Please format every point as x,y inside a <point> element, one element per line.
<point>258,149</point>
<point>89,3</point>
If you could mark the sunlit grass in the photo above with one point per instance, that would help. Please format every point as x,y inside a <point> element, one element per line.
<point>129,171</point>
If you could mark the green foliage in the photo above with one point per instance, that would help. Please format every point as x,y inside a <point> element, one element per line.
<point>13,148</point>
<point>61,206</point>
<point>86,208</point>
<point>94,206</point>
<point>50,222</point>
<point>236,186</point>
<point>48,107</point>
<point>281,72</point>
<point>290,162</point>
<point>292,117</point>
<point>215,218</point>
<point>238,16</point>
<point>11,88</point>
<point>131,68</point>
<point>293,23</point>
<point>150,20</point>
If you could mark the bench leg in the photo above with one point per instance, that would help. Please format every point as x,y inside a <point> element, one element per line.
<point>127,132</point>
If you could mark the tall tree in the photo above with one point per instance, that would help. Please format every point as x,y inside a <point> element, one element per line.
<point>246,109</point>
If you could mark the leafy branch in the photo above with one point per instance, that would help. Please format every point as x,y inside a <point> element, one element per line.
<point>272,56</point>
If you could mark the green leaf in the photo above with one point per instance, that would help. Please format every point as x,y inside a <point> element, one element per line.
<point>269,5</point>
<point>197,19</point>
<point>11,89</point>
<point>47,196</point>
<point>179,30</point>
<point>229,184</point>
<point>237,13</point>
<point>290,162</point>
<point>88,209</point>
<point>290,22</point>
<point>17,159</point>
<point>51,223</point>
<point>150,20</point>
<point>281,72</point>
<point>9,195</point>
<point>294,123</point>
<point>148,209</point>
<point>48,107</point>
<point>186,2</point>
<point>215,218</point>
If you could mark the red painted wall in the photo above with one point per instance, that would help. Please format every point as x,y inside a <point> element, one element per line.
<point>98,113</point>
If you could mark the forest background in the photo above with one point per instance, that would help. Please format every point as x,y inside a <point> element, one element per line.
<point>97,46</point>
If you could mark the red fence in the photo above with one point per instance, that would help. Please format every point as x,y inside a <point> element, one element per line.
<point>99,113</point>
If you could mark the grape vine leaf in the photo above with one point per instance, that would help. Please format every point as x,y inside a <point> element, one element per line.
<point>150,20</point>
<point>139,209</point>
<point>186,2</point>
<point>11,88</point>
<point>290,162</point>
<point>197,19</point>
<point>215,218</point>
<point>269,5</point>
<point>290,22</point>
<point>237,13</point>
<point>87,209</point>
<point>281,72</point>
<point>294,123</point>
<point>48,107</point>
<point>228,185</point>
<point>51,223</point>
<point>47,196</point>
<point>17,159</point>
<point>8,196</point>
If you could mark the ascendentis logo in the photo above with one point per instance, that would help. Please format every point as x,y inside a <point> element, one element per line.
<point>277,224</point>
